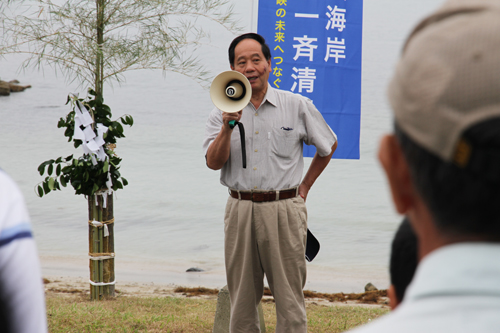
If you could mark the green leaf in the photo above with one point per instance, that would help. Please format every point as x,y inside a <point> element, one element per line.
<point>46,188</point>
<point>41,168</point>
<point>40,191</point>
<point>117,185</point>
<point>106,109</point>
<point>59,160</point>
<point>130,120</point>
<point>51,168</point>
<point>51,183</point>
<point>69,157</point>
<point>119,127</point>
<point>125,182</point>
<point>106,166</point>
<point>69,133</point>
<point>63,181</point>
<point>58,170</point>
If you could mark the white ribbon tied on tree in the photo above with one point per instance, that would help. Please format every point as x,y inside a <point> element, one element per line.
<point>100,224</point>
<point>93,144</point>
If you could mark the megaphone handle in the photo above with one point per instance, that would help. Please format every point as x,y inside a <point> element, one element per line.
<point>232,123</point>
<point>243,145</point>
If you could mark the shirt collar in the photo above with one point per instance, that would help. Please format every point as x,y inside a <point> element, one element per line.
<point>270,96</point>
<point>464,268</point>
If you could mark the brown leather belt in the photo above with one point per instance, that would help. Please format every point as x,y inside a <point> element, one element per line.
<point>264,196</point>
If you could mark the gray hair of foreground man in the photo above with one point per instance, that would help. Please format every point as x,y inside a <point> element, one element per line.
<point>446,98</point>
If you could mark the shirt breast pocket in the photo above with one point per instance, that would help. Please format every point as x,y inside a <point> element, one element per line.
<point>284,143</point>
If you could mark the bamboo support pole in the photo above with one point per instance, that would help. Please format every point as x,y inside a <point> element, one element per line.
<point>101,246</point>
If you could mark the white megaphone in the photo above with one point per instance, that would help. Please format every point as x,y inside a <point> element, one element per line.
<point>230,91</point>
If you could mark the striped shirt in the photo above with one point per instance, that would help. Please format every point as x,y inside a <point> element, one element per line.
<point>274,135</point>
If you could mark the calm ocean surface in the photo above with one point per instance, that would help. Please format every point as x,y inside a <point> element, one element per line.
<point>170,217</point>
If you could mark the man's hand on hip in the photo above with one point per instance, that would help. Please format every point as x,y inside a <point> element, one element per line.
<point>304,190</point>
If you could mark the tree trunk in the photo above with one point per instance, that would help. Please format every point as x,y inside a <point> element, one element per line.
<point>101,245</point>
<point>99,66</point>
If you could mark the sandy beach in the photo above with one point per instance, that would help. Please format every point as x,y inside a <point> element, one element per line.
<point>68,286</point>
<point>167,274</point>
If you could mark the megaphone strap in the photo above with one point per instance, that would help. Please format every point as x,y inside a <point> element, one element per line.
<point>243,144</point>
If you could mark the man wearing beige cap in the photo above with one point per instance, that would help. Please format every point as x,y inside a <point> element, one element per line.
<point>443,167</point>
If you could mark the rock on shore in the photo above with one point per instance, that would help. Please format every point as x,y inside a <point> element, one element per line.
<point>12,86</point>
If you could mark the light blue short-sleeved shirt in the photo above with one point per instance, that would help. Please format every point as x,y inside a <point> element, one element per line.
<point>455,289</point>
<point>274,135</point>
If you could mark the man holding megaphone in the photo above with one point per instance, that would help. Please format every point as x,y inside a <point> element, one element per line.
<point>265,221</point>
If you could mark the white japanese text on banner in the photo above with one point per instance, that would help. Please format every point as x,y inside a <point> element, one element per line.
<point>316,52</point>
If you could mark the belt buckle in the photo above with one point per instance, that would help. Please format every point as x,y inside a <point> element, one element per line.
<point>251,195</point>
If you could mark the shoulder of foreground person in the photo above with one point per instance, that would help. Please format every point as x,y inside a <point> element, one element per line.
<point>22,299</point>
<point>437,314</point>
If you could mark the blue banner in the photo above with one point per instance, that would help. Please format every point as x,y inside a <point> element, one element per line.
<point>316,52</point>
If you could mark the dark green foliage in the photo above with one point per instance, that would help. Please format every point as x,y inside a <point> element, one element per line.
<point>85,177</point>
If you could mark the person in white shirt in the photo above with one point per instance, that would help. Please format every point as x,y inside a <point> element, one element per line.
<point>443,167</point>
<point>22,298</point>
<point>266,216</point>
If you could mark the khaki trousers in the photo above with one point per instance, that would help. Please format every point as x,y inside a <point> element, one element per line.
<point>266,238</point>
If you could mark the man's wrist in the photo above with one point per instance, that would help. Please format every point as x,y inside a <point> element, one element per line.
<point>306,184</point>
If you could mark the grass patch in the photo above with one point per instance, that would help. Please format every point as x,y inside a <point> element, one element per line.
<point>129,314</point>
<point>339,318</point>
<point>76,313</point>
<point>328,319</point>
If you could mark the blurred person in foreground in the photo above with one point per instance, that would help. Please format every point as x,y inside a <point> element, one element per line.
<point>22,299</point>
<point>403,262</point>
<point>443,167</point>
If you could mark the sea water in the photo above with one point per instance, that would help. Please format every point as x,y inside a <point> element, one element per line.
<point>170,216</point>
